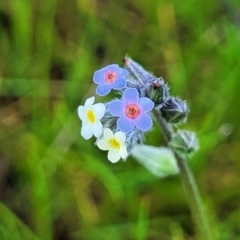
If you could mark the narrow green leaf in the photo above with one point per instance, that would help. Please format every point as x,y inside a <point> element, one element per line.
<point>158,160</point>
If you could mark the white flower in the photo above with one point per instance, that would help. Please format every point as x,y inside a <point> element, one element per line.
<point>90,114</point>
<point>114,143</point>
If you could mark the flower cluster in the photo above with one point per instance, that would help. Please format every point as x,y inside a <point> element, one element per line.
<point>121,124</point>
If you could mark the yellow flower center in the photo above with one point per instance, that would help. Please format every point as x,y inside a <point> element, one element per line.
<point>91,116</point>
<point>114,143</point>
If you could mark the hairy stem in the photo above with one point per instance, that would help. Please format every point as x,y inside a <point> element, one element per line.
<point>188,182</point>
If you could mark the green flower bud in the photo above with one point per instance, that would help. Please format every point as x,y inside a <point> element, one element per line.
<point>174,110</point>
<point>184,142</point>
<point>158,91</point>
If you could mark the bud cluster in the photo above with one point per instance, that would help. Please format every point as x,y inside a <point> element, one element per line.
<point>174,110</point>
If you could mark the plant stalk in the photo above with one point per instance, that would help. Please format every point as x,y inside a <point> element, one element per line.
<point>188,182</point>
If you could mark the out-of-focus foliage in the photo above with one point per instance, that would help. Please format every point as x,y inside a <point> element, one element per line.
<point>56,185</point>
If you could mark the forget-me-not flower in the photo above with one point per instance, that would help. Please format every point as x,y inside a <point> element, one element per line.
<point>114,144</point>
<point>111,76</point>
<point>91,114</point>
<point>132,111</point>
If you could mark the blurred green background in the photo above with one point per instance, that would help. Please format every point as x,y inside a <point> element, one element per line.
<point>56,185</point>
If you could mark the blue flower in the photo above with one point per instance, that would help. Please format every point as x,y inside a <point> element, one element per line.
<point>132,111</point>
<point>111,76</point>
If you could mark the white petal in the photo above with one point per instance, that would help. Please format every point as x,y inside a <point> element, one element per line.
<point>86,131</point>
<point>81,113</point>
<point>87,125</point>
<point>103,145</point>
<point>97,129</point>
<point>89,102</point>
<point>113,155</point>
<point>107,133</point>
<point>120,137</point>
<point>123,152</point>
<point>99,110</point>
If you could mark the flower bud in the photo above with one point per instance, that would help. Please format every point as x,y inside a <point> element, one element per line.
<point>158,91</point>
<point>184,142</point>
<point>143,76</point>
<point>174,110</point>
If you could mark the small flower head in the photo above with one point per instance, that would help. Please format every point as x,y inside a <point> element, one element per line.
<point>111,76</point>
<point>114,144</point>
<point>91,114</point>
<point>132,111</point>
<point>174,110</point>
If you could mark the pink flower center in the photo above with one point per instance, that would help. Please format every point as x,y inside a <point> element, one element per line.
<point>132,111</point>
<point>110,77</point>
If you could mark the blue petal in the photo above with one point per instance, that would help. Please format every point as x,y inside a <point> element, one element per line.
<point>111,67</point>
<point>119,84</point>
<point>143,122</point>
<point>146,104</point>
<point>130,95</point>
<point>103,89</point>
<point>124,72</point>
<point>125,124</point>
<point>116,107</point>
<point>99,76</point>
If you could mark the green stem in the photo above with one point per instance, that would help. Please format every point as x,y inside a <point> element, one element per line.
<point>188,182</point>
